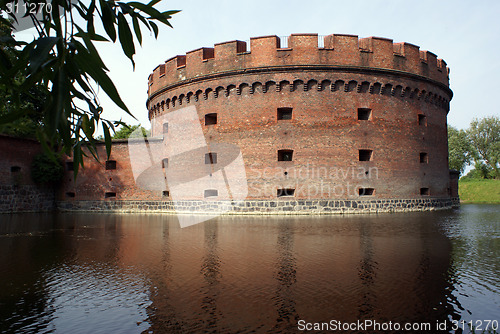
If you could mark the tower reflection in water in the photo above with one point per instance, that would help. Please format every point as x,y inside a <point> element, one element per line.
<point>233,274</point>
<point>267,273</point>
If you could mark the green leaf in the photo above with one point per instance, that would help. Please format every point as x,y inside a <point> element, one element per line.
<point>80,8</point>
<point>77,159</point>
<point>125,8</point>
<point>126,38</point>
<point>74,73</point>
<point>137,29</point>
<point>90,47</point>
<point>43,141</point>
<point>55,20</point>
<point>40,52</point>
<point>98,38</point>
<point>90,65</point>
<point>63,59</point>
<point>59,99</point>
<point>143,20</point>
<point>4,39</point>
<point>108,19</point>
<point>107,139</point>
<point>5,59</point>
<point>153,2</point>
<point>91,147</point>
<point>155,28</point>
<point>12,116</point>
<point>148,10</point>
<point>171,12</point>
<point>168,14</point>
<point>86,126</point>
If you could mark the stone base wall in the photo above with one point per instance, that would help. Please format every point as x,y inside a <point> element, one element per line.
<point>264,206</point>
<point>26,198</point>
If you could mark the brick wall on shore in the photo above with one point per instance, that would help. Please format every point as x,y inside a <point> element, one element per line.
<point>366,131</point>
<point>18,193</point>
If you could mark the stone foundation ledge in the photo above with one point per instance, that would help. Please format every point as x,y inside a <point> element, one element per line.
<point>263,207</point>
<point>26,198</point>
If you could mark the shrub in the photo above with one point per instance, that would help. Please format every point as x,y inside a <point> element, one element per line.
<point>46,169</point>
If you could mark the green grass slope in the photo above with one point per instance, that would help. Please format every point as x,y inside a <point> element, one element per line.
<point>479,191</point>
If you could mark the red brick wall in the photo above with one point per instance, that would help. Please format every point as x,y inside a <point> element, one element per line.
<point>94,181</point>
<point>16,152</point>
<point>18,192</point>
<point>338,50</point>
<point>325,87</point>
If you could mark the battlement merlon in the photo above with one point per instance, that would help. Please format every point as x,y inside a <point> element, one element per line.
<point>302,49</point>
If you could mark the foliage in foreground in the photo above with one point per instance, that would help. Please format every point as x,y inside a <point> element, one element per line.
<point>63,63</point>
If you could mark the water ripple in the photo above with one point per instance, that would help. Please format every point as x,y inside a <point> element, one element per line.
<point>142,273</point>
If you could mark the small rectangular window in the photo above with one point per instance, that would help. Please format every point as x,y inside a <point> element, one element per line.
<point>364,114</point>
<point>110,164</point>
<point>211,119</point>
<point>285,192</point>
<point>69,166</point>
<point>365,155</point>
<point>285,155</point>
<point>70,194</point>
<point>164,163</point>
<point>424,158</point>
<point>366,191</point>
<point>15,169</point>
<point>210,158</point>
<point>109,195</point>
<point>165,128</point>
<point>425,191</point>
<point>284,114</point>
<point>166,193</point>
<point>210,193</point>
<point>422,120</point>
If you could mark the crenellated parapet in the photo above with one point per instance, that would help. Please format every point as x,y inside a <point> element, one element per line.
<point>337,52</point>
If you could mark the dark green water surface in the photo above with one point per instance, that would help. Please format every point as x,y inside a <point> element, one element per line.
<point>133,273</point>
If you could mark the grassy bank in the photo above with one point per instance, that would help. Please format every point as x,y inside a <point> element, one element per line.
<point>479,191</point>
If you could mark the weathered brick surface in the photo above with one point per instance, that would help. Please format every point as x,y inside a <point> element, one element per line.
<point>18,192</point>
<point>408,169</point>
<point>339,51</point>
<point>94,181</point>
<point>325,87</point>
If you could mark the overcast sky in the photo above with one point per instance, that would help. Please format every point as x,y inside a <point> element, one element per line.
<point>463,33</point>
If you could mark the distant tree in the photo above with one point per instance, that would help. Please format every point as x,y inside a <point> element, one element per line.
<point>480,171</point>
<point>63,61</point>
<point>484,137</point>
<point>127,131</point>
<point>459,149</point>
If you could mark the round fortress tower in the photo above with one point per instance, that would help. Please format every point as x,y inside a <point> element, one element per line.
<point>336,120</point>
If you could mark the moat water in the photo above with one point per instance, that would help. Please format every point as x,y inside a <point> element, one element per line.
<point>100,273</point>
